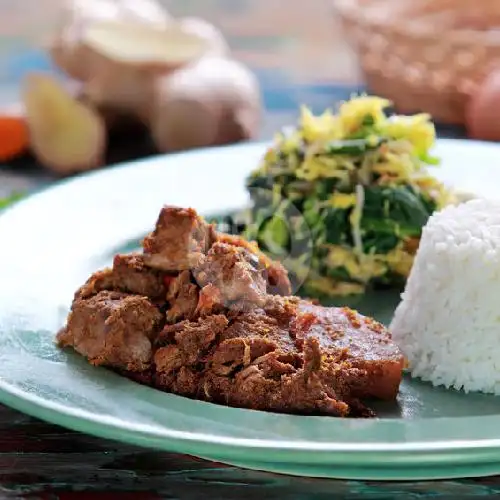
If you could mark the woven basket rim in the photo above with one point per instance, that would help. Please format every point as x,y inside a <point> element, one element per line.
<point>351,10</point>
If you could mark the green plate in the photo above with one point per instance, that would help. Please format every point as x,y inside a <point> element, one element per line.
<point>52,241</point>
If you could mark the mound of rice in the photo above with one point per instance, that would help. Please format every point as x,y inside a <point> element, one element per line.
<point>448,322</point>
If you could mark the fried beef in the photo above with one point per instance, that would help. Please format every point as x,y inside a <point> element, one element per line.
<point>274,273</point>
<point>179,240</point>
<point>209,316</point>
<point>129,274</point>
<point>113,329</point>
<point>234,271</point>
<point>182,297</point>
<point>292,356</point>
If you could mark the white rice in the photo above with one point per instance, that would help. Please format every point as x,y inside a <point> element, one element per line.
<point>448,323</point>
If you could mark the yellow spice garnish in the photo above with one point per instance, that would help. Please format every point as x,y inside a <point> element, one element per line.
<point>397,166</point>
<point>361,268</point>
<point>314,167</point>
<point>323,128</point>
<point>352,113</point>
<point>342,200</point>
<point>290,143</point>
<point>328,287</point>
<point>399,261</point>
<point>417,129</point>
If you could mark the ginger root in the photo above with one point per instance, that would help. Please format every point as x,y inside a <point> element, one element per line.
<point>213,101</point>
<point>133,57</point>
<point>67,49</point>
<point>65,135</point>
<point>135,63</point>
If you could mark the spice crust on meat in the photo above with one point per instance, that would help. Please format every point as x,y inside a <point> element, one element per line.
<point>208,316</point>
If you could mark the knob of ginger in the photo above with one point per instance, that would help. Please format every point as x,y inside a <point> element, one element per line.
<point>66,136</point>
<point>133,57</point>
<point>210,102</point>
<point>67,49</point>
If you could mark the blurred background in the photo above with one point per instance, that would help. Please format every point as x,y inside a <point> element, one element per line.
<point>424,56</point>
<point>297,49</point>
<point>296,52</point>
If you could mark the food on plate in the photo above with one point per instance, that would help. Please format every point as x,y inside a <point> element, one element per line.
<point>207,315</point>
<point>213,101</point>
<point>66,135</point>
<point>448,322</point>
<point>361,180</point>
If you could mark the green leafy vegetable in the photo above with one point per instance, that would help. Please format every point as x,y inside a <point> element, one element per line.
<point>274,235</point>
<point>429,159</point>
<point>396,210</point>
<point>336,224</point>
<point>364,191</point>
<point>377,241</point>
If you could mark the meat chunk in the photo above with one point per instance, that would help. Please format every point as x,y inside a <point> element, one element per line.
<point>367,345</point>
<point>193,338</point>
<point>99,281</point>
<point>289,356</point>
<point>274,273</point>
<point>210,301</point>
<point>184,349</point>
<point>182,297</point>
<point>234,272</point>
<point>268,369</point>
<point>281,382</point>
<point>201,314</point>
<point>179,240</point>
<point>129,274</point>
<point>113,329</point>
<point>249,337</point>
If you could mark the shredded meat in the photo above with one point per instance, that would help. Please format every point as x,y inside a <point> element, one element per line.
<point>129,274</point>
<point>182,297</point>
<point>281,362</point>
<point>209,316</point>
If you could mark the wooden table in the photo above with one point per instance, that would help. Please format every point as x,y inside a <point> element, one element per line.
<point>41,461</point>
<point>300,57</point>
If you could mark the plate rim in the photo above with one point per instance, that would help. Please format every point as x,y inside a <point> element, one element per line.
<point>142,434</point>
<point>261,444</point>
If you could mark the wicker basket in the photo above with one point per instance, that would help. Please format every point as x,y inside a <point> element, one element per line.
<point>424,55</point>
